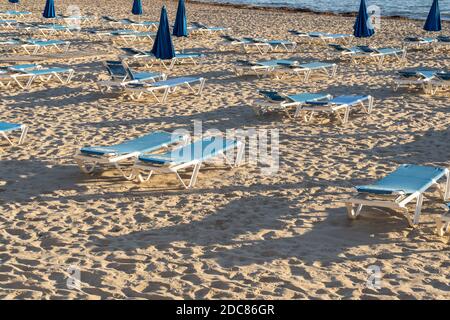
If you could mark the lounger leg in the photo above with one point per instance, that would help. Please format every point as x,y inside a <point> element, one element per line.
<point>447,187</point>
<point>194,176</point>
<point>6,137</point>
<point>351,212</point>
<point>85,167</point>
<point>417,211</point>
<point>140,177</point>
<point>202,85</point>
<point>23,134</point>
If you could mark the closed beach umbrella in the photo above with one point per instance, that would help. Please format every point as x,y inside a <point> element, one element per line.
<point>363,27</point>
<point>137,7</point>
<point>49,10</point>
<point>433,22</point>
<point>15,2</point>
<point>163,46</point>
<point>180,26</point>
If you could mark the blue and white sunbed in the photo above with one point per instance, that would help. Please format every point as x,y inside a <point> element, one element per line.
<point>8,74</point>
<point>137,90</point>
<point>88,158</point>
<point>415,77</point>
<point>305,69</point>
<point>261,45</point>
<point>149,58</point>
<point>7,23</point>
<point>192,155</point>
<point>395,191</point>
<point>6,128</point>
<point>260,68</point>
<point>14,13</point>
<point>33,46</point>
<point>64,75</point>
<point>381,54</point>
<point>275,102</point>
<point>55,29</point>
<point>323,37</point>
<point>200,28</point>
<point>340,106</point>
<point>443,40</point>
<point>441,81</point>
<point>417,42</point>
<point>121,75</point>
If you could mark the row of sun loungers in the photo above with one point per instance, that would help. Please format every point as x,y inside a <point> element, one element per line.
<point>161,153</point>
<point>379,55</point>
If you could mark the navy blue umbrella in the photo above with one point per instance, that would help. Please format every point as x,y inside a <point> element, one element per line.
<point>163,46</point>
<point>137,7</point>
<point>363,27</point>
<point>180,26</point>
<point>13,1</point>
<point>49,10</point>
<point>433,22</point>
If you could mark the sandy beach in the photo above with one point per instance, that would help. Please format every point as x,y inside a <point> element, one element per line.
<point>241,233</point>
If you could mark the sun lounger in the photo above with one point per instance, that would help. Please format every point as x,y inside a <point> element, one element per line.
<point>14,13</point>
<point>406,184</point>
<point>380,55</point>
<point>261,45</point>
<point>323,37</point>
<point>136,90</point>
<point>443,224</point>
<point>441,81</point>
<point>55,29</point>
<point>7,23</point>
<point>32,46</point>
<point>192,155</point>
<point>200,28</point>
<point>121,75</point>
<point>149,59</point>
<point>89,158</point>
<point>6,128</point>
<point>275,102</point>
<point>305,69</point>
<point>8,74</point>
<point>144,25</point>
<point>417,42</point>
<point>414,77</point>
<point>358,53</point>
<point>340,106</point>
<point>260,68</point>
<point>443,40</point>
<point>64,75</point>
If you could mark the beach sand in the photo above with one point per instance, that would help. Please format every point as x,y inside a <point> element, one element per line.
<point>241,233</point>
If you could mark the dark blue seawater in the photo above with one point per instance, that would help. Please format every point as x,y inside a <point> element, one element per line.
<point>417,9</point>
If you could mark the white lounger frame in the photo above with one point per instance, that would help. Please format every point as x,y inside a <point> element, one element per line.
<point>380,58</point>
<point>309,112</point>
<point>443,226</point>
<point>433,86</point>
<point>136,93</point>
<point>279,73</point>
<point>265,105</point>
<point>88,163</point>
<point>397,201</point>
<point>140,166</point>
<point>43,78</point>
<point>31,48</point>
<point>23,128</point>
<point>424,83</point>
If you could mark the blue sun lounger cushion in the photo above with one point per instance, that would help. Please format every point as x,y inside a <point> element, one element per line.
<point>146,143</point>
<point>407,179</point>
<point>200,150</point>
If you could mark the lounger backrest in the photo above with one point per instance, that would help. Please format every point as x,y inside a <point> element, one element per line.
<point>116,70</point>
<point>271,95</point>
<point>443,75</point>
